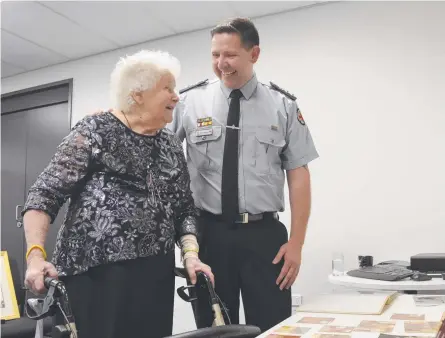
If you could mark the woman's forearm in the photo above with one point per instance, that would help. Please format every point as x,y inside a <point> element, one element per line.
<point>36,225</point>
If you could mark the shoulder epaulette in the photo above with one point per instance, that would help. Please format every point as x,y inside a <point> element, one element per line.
<point>199,84</point>
<point>282,91</point>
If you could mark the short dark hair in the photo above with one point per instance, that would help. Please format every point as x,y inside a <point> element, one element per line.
<point>241,26</point>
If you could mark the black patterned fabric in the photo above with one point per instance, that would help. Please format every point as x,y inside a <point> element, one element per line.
<point>129,194</point>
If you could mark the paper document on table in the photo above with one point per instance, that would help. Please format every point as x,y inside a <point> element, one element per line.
<point>315,320</point>
<point>337,329</point>
<point>429,300</point>
<point>273,335</point>
<point>375,326</point>
<point>289,329</point>
<point>384,335</point>
<point>329,335</point>
<point>421,327</point>
<point>369,303</point>
<point>441,332</point>
<point>408,316</point>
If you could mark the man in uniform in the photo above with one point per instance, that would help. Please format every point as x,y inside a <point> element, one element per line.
<point>241,136</point>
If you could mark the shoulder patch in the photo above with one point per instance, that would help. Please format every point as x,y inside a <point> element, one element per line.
<point>282,91</point>
<point>300,117</point>
<point>199,84</point>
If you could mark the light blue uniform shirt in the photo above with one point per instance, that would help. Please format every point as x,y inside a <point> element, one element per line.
<point>272,139</point>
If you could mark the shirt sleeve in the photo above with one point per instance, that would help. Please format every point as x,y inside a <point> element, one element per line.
<point>185,210</point>
<point>67,168</point>
<point>299,149</point>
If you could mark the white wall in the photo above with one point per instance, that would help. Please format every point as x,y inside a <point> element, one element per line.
<point>370,81</point>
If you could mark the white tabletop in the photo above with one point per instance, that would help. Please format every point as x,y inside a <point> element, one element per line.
<point>402,304</point>
<point>403,285</point>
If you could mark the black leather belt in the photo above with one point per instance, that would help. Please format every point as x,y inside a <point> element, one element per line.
<point>244,217</point>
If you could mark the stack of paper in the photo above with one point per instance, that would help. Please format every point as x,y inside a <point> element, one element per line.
<point>349,303</point>
<point>429,300</point>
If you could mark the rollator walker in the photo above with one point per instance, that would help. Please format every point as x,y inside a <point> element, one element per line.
<point>56,302</point>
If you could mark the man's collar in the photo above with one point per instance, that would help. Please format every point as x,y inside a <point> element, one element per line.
<point>247,89</point>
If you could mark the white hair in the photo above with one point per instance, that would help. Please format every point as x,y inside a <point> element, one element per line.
<point>139,72</point>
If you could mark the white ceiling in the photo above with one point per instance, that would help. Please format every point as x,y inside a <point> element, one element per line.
<point>38,34</point>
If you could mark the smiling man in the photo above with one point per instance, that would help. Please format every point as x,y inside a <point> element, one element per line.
<point>242,136</point>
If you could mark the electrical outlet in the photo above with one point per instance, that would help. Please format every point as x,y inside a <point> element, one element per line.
<point>297,299</point>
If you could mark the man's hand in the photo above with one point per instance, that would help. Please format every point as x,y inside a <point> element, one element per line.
<point>291,251</point>
<point>36,272</point>
<point>193,265</point>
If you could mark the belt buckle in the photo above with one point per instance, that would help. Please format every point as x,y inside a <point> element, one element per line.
<point>245,217</point>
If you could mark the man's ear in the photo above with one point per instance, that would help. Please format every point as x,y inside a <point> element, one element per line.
<point>255,53</point>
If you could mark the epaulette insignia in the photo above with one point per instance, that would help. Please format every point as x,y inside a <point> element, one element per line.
<point>300,117</point>
<point>282,91</point>
<point>199,84</point>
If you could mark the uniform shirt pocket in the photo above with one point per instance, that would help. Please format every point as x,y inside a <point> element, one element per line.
<point>269,144</point>
<point>205,147</point>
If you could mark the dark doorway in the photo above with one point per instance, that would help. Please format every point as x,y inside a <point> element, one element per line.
<point>34,122</point>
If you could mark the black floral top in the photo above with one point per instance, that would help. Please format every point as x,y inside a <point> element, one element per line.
<point>129,194</point>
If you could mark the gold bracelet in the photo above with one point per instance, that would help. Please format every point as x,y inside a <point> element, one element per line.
<point>36,246</point>
<point>190,250</point>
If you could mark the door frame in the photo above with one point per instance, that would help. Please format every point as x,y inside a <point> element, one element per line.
<point>43,88</point>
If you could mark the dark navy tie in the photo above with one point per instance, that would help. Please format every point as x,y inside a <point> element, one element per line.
<point>229,186</point>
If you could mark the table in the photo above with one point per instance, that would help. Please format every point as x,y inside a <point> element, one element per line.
<point>402,304</point>
<point>435,284</point>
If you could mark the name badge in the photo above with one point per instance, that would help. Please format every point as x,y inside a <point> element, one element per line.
<point>204,132</point>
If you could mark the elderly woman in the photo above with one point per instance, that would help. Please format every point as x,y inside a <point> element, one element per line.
<point>130,202</point>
